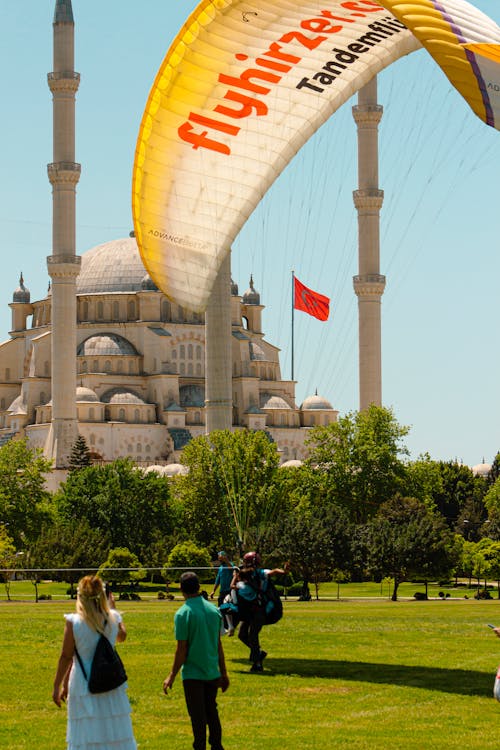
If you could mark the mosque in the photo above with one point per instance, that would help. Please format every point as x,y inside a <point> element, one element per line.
<point>108,356</point>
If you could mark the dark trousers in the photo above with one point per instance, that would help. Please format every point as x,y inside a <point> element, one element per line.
<point>202,708</point>
<point>249,634</point>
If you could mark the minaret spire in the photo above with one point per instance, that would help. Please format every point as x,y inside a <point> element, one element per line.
<point>369,284</point>
<point>63,265</point>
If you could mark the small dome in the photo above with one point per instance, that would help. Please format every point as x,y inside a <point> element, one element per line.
<point>316,403</point>
<point>121,396</point>
<point>294,463</point>
<point>481,470</point>
<point>251,297</point>
<point>86,394</point>
<point>105,344</point>
<point>271,401</point>
<point>256,352</point>
<point>22,294</point>
<point>234,288</point>
<point>175,470</point>
<point>148,285</point>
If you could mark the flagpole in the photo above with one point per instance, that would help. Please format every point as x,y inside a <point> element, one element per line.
<point>293,313</point>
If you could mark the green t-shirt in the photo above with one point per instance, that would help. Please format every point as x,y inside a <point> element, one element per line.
<point>198,622</point>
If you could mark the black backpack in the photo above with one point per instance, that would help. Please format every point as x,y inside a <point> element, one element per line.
<point>107,671</point>
<point>268,601</point>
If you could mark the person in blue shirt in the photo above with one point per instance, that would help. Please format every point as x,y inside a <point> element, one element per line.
<point>200,656</point>
<point>223,583</point>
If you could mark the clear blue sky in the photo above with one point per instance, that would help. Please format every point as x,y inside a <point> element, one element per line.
<point>440,223</point>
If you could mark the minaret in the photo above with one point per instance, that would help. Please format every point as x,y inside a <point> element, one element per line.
<point>218,353</point>
<point>63,265</point>
<point>369,284</point>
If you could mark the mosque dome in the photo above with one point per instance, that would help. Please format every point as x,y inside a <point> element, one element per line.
<point>121,396</point>
<point>271,401</point>
<point>251,297</point>
<point>21,294</point>
<point>234,288</point>
<point>316,402</point>
<point>293,463</point>
<point>481,470</point>
<point>115,266</point>
<point>105,344</point>
<point>86,394</point>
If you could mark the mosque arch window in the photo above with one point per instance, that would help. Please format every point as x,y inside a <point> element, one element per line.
<point>166,310</point>
<point>283,419</point>
<point>85,311</point>
<point>198,352</point>
<point>182,352</point>
<point>148,449</point>
<point>174,353</point>
<point>91,414</point>
<point>198,369</point>
<point>137,416</point>
<point>84,365</point>
<point>190,351</point>
<point>182,369</point>
<point>139,448</point>
<point>116,311</point>
<point>131,310</point>
<point>100,310</point>
<point>107,366</point>
<point>197,417</point>
<point>270,374</point>
<point>95,366</point>
<point>121,415</point>
<point>131,367</point>
<point>190,368</point>
<point>262,373</point>
<point>119,366</point>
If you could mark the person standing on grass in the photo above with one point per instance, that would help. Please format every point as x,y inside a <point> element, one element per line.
<point>223,583</point>
<point>252,605</point>
<point>95,720</point>
<point>200,656</point>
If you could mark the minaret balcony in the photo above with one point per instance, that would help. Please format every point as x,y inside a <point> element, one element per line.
<point>367,114</point>
<point>369,285</point>
<point>64,80</point>
<point>63,266</point>
<point>64,171</point>
<point>368,200</point>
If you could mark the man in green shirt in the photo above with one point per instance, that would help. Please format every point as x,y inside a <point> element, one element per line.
<point>200,655</point>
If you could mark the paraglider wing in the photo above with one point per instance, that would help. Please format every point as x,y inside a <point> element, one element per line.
<point>244,85</point>
<point>466,45</point>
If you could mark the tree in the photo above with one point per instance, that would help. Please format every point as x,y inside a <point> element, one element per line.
<point>122,567</point>
<point>7,558</point>
<point>24,501</point>
<point>494,472</point>
<point>359,460</point>
<point>188,555</point>
<point>74,547</point>
<point>456,487</point>
<point>230,494</point>
<point>406,539</point>
<point>315,541</point>
<point>124,504</point>
<point>80,455</point>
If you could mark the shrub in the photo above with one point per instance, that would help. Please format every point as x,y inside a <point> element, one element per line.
<point>420,596</point>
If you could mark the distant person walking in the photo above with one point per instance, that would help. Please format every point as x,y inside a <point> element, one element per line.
<point>200,656</point>
<point>223,583</point>
<point>96,721</point>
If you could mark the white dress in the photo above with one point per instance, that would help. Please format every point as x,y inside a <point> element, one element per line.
<point>96,721</point>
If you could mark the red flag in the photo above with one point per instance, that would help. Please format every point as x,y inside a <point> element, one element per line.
<point>310,302</point>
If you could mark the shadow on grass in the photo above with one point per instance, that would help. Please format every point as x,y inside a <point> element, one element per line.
<point>458,681</point>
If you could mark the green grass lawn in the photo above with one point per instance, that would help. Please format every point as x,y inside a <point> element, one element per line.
<point>363,675</point>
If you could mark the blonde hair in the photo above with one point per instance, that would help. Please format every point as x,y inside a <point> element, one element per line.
<point>92,603</point>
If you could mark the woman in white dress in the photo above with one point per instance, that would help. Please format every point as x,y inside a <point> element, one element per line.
<point>96,721</point>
